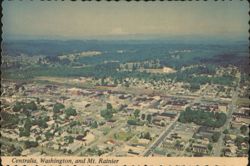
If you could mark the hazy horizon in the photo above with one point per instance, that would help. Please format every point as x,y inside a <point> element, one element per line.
<point>124,20</point>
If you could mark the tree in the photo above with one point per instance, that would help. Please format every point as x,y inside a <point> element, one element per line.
<point>210,147</point>
<point>69,139</point>
<point>149,118</point>
<point>239,140</point>
<point>143,116</point>
<point>64,150</point>
<point>177,144</point>
<point>73,123</point>
<point>94,124</point>
<point>17,107</point>
<point>46,118</point>
<point>103,81</point>
<point>48,135</point>
<point>109,106</point>
<point>42,123</point>
<point>215,137</point>
<point>203,118</point>
<point>147,136</point>
<point>243,129</point>
<point>38,100</point>
<point>132,122</point>
<point>57,107</point>
<point>225,131</point>
<point>136,113</point>
<point>27,124</point>
<point>107,114</point>
<point>38,138</point>
<point>70,112</point>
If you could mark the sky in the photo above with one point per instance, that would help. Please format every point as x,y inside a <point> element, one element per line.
<point>81,20</point>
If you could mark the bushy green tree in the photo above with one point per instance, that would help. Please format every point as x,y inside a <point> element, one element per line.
<point>215,137</point>
<point>136,113</point>
<point>70,112</point>
<point>243,129</point>
<point>149,118</point>
<point>48,135</point>
<point>132,122</point>
<point>225,131</point>
<point>107,114</point>
<point>42,123</point>
<point>17,107</point>
<point>146,136</point>
<point>109,106</point>
<point>57,107</point>
<point>143,116</point>
<point>94,124</point>
<point>210,147</point>
<point>27,124</point>
<point>69,139</point>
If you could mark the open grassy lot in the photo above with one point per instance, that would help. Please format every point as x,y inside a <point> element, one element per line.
<point>123,136</point>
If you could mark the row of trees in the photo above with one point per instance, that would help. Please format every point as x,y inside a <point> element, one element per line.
<point>145,135</point>
<point>136,119</point>
<point>147,117</point>
<point>104,70</point>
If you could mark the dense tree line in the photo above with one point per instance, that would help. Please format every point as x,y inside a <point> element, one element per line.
<point>105,70</point>
<point>204,118</point>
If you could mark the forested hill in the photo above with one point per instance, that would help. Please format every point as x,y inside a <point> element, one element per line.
<point>55,47</point>
<point>123,59</point>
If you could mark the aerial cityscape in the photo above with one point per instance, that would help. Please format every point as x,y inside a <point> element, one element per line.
<point>122,96</point>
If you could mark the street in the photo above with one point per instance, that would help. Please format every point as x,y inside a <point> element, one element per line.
<point>231,108</point>
<point>161,138</point>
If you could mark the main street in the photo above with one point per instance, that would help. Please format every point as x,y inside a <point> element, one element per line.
<point>161,138</point>
<point>231,109</point>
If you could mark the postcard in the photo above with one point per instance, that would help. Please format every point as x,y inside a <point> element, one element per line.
<point>125,83</point>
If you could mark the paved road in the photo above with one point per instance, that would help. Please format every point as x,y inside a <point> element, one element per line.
<point>231,108</point>
<point>161,138</point>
